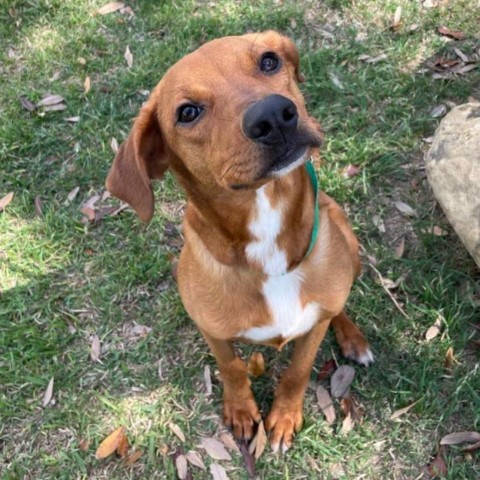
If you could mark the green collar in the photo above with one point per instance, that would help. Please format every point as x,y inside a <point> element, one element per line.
<point>316,212</point>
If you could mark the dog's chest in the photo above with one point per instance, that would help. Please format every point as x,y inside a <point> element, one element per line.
<point>290,317</point>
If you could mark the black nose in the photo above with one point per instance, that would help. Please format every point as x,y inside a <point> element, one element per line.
<point>270,120</point>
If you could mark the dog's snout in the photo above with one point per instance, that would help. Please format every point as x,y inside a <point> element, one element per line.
<point>270,120</point>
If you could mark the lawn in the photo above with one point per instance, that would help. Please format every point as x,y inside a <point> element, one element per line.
<point>67,282</point>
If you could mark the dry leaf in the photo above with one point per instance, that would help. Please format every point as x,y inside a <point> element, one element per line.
<point>89,212</point>
<point>218,472</point>
<point>397,19</point>
<point>50,100</point>
<point>402,411</point>
<point>400,248</point>
<point>351,171</point>
<point>181,466</point>
<point>248,458</point>
<point>133,457</point>
<point>341,381</point>
<point>55,108</point>
<point>47,397</point>
<point>110,8</point>
<point>438,467</point>
<point>256,364</point>
<point>378,222</point>
<point>26,103</point>
<point>460,437</point>
<point>71,196</point>
<point>434,330</point>
<point>84,444</point>
<point>122,448</point>
<point>450,359</point>
<point>81,61</point>
<point>86,85</point>
<point>347,424</point>
<point>327,370</point>
<point>72,119</point>
<point>127,11</point>
<point>325,403</point>
<point>457,35</point>
<point>207,378</point>
<point>6,200</point>
<point>38,204</point>
<point>350,407</point>
<point>138,331</point>
<point>215,448</point>
<point>259,442</point>
<point>472,448</point>
<point>111,443</point>
<point>376,59</point>
<point>195,459</point>
<point>460,54</point>
<point>229,442</point>
<point>405,209</point>
<point>114,145</point>
<point>95,349</point>
<point>129,57</point>
<point>438,111</point>
<point>177,431</point>
<point>90,203</point>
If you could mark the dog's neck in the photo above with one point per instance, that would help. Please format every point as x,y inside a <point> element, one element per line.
<point>268,229</point>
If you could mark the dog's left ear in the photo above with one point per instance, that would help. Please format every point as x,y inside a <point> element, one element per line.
<point>140,158</point>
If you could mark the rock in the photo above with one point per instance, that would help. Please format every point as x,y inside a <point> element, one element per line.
<point>453,169</point>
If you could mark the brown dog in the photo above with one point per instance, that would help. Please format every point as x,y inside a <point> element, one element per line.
<point>231,123</point>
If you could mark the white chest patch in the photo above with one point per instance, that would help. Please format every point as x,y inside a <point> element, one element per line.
<point>281,292</point>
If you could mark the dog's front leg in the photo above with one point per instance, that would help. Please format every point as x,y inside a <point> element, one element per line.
<point>286,415</point>
<point>240,411</point>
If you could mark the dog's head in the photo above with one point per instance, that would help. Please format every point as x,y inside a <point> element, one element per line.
<point>228,116</point>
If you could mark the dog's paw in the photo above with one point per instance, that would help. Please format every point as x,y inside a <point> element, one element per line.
<point>356,348</point>
<point>241,415</point>
<point>282,423</point>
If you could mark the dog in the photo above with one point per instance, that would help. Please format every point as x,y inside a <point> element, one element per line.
<point>267,257</point>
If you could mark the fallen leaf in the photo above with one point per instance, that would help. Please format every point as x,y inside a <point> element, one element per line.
<point>86,85</point>
<point>27,104</point>
<point>450,359</point>
<point>55,108</point>
<point>351,171</point>
<point>350,406</point>
<point>435,329</point>
<point>397,19</point>
<point>214,448</point>
<point>402,411</point>
<point>50,100</point>
<point>177,431</point>
<point>413,27</point>
<point>181,466</point>
<point>460,54</point>
<point>122,447</point>
<point>438,111</point>
<point>400,248</point>
<point>90,203</point>
<point>81,61</point>
<point>129,57</point>
<point>460,437</point>
<point>325,403</point>
<point>127,11</point>
<point>6,200</point>
<point>406,209</point>
<point>229,442</point>
<point>347,424</point>
<point>218,472</point>
<point>438,467</point>
<point>256,364</point>
<point>466,68</point>
<point>327,370</point>
<point>47,397</point>
<point>84,444</point>
<point>114,145</point>
<point>336,81</point>
<point>341,381</point>
<point>38,205</point>
<point>457,35</point>
<point>378,222</point>
<point>195,459</point>
<point>95,349</point>
<point>376,59</point>
<point>111,443</point>
<point>248,458</point>
<point>133,457</point>
<point>259,442</point>
<point>207,378</point>
<point>72,119</point>
<point>110,8</point>
<point>138,331</point>
<point>71,196</point>
<point>89,212</point>
<point>363,57</point>
<point>472,448</point>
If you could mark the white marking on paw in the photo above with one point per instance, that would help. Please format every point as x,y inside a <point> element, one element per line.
<point>365,359</point>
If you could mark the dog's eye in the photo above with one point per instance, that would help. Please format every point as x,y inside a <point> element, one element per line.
<point>188,113</point>
<point>269,63</point>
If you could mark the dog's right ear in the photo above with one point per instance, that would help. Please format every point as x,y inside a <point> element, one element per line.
<point>140,158</point>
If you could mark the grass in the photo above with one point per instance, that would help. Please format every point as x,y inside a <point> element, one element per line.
<point>63,281</point>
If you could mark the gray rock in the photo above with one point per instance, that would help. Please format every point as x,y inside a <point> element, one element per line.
<point>453,169</point>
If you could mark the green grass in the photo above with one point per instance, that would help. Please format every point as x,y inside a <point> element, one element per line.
<point>62,281</point>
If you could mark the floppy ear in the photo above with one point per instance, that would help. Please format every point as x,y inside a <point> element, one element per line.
<point>140,158</point>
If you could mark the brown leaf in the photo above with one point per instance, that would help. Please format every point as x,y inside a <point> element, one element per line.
<point>6,200</point>
<point>86,85</point>
<point>84,444</point>
<point>133,457</point>
<point>27,104</point>
<point>177,431</point>
<point>457,35</point>
<point>349,406</point>
<point>402,411</point>
<point>214,448</point>
<point>438,467</point>
<point>114,145</point>
<point>90,203</point>
<point>259,442</point>
<point>327,370</point>
<point>111,443</point>
<point>129,57</point>
<point>181,466</point>
<point>397,19</point>
<point>405,209</point>
<point>325,403</point>
<point>218,472</point>
<point>50,100</point>
<point>71,196</point>
<point>460,54</point>
<point>435,329</point>
<point>110,8</point>
<point>55,108</point>
<point>229,442</point>
<point>449,359</point>
<point>89,212</point>
<point>460,437</point>
<point>472,448</point>
<point>95,349</point>
<point>207,378</point>
<point>47,397</point>
<point>341,381</point>
<point>378,58</point>
<point>38,204</point>
<point>400,248</point>
<point>351,171</point>
<point>347,424</point>
<point>122,448</point>
<point>195,459</point>
<point>256,364</point>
